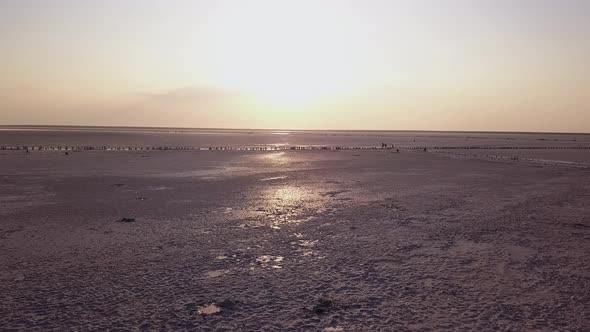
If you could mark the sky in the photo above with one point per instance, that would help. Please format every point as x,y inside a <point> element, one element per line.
<point>491,65</point>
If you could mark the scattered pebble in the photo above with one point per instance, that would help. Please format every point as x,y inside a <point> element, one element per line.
<point>213,309</point>
<point>333,329</point>
<point>216,273</point>
<point>126,220</point>
<point>210,309</point>
<point>307,252</point>
<point>308,243</point>
<point>268,259</point>
<point>273,262</point>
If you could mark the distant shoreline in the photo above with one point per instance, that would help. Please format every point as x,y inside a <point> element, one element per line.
<point>237,130</point>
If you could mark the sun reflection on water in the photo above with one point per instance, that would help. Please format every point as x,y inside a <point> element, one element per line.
<point>287,195</point>
<point>276,158</point>
<point>287,204</point>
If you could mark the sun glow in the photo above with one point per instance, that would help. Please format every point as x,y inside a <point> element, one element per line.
<point>288,54</point>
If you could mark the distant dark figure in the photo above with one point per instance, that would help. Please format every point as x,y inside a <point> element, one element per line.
<point>66,153</point>
<point>397,150</point>
<point>425,150</point>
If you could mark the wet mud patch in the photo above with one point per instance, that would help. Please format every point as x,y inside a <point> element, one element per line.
<point>323,306</point>
<point>216,273</point>
<point>27,197</point>
<point>125,220</point>
<point>159,188</point>
<point>581,226</point>
<point>334,193</point>
<point>406,248</point>
<point>6,233</point>
<point>391,205</point>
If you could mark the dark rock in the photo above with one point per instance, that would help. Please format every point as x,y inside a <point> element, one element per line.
<point>228,304</point>
<point>126,220</point>
<point>323,307</point>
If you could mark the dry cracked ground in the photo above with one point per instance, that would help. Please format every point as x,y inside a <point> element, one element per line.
<point>291,241</point>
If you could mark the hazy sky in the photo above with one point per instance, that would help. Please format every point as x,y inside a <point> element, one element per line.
<point>333,64</point>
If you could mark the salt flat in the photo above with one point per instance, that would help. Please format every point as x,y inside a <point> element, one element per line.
<point>291,240</point>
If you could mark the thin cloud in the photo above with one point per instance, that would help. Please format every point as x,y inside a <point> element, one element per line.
<point>192,94</point>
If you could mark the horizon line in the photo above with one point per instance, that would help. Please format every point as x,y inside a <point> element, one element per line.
<point>74,127</point>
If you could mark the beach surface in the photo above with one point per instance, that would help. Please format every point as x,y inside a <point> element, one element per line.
<point>348,240</point>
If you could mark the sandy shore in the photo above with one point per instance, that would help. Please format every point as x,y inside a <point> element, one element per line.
<point>295,240</point>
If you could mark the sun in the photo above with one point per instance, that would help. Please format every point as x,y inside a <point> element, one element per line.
<point>287,54</point>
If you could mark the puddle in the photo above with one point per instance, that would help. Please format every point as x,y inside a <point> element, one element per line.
<point>277,158</point>
<point>159,188</point>
<point>334,193</point>
<point>274,178</point>
<point>210,173</point>
<point>287,204</point>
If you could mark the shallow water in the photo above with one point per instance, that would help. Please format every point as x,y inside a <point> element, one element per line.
<point>552,148</point>
<point>205,138</point>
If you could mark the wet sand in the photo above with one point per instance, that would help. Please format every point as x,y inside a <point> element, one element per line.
<point>291,240</point>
